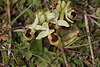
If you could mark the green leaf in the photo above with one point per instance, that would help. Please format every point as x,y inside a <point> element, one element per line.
<point>36,46</point>
<point>20,34</point>
<point>68,35</point>
<point>27,44</point>
<point>5,57</point>
<point>21,7</point>
<point>28,55</point>
<point>24,66</point>
<point>98,12</point>
<point>72,54</point>
<point>14,1</point>
<point>43,60</point>
<point>43,64</point>
<point>37,3</point>
<point>22,1</point>
<point>77,61</point>
<point>46,57</point>
<point>13,65</point>
<point>9,40</point>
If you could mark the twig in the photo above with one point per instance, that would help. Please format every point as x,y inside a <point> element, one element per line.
<point>89,39</point>
<point>8,10</point>
<point>86,62</point>
<point>19,27</point>
<point>91,8</point>
<point>15,59</point>
<point>64,57</point>
<point>93,16</point>
<point>75,52</point>
<point>92,20</point>
<point>2,65</point>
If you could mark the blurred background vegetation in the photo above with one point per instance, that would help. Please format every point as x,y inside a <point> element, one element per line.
<point>33,53</point>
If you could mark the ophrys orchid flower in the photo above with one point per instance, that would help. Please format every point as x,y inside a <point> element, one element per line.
<point>59,22</point>
<point>29,34</point>
<point>45,32</point>
<point>64,9</point>
<point>52,36</point>
<point>72,14</point>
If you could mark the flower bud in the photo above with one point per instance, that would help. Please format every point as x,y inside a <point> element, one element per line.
<point>42,19</point>
<point>39,14</point>
<point>49,15</point>
<point>58,8</point>
<point>63,4</point>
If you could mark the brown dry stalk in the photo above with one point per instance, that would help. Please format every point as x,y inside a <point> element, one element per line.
<point>64,57</point>
<point>88,33</point>
<point>93,16</point>
<point>92,20</point>
<point>8,10</point>
<point>76,52</point>
<point>15,59</point>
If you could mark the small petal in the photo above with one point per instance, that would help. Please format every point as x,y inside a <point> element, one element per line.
<point>42,19</point>
<point>50,16</point>
<point>39,14</point>
<point>69,19</point>
<point>45,25</point>
<point>58,8</point>
<point>38,27</point>
<point>62,23</point>
<point>42,34</point>
<point>63,4</point>
<point>56,14</point>
<point>35,22</point>
<point>67,6</point>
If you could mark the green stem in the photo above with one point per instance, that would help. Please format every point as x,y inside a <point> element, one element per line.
<point>43,59</point>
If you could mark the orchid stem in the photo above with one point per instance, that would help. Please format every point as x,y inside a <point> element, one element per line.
<point>64,57</point>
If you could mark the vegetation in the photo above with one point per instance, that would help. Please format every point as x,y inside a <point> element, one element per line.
<point>49,33</point>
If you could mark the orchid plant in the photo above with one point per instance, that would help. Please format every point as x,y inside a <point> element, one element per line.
<point>64,9</point>
<point>42,21</point>
<point>50,32</point>
<point>32,28</point>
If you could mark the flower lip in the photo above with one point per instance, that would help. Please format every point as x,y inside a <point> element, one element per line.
<point>73,14</point>
<point>28,33</point>
<point>53,25</point>
<point>54,37</point>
